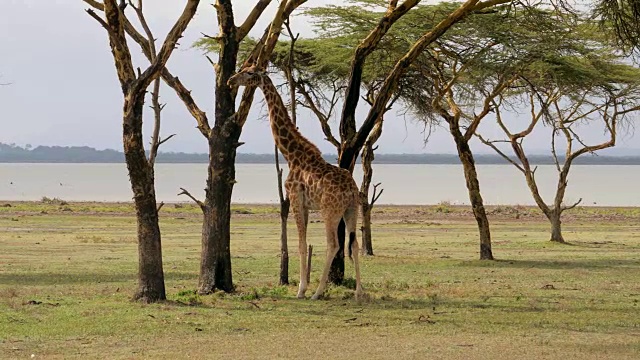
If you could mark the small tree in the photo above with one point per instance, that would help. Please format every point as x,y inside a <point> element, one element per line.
<point>134,86</point>
<point>566,115</point>
<point>367,175</point>
<point>284,201</point>
<point>576,80</point>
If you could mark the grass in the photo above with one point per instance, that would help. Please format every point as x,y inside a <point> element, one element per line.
<point>66,278</point>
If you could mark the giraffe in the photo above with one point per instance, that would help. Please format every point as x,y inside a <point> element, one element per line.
<point>312,183</point>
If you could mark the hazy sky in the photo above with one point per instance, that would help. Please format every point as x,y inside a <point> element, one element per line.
<point>64,89</point>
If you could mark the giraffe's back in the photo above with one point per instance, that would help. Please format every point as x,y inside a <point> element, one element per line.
<point>329,186</point>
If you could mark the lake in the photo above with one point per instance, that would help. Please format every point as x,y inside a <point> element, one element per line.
<point>602,185</point>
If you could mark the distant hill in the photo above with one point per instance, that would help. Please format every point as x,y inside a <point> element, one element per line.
<point>10,153</point>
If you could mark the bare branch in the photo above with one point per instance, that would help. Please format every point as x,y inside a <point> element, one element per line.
<point>99,20</point>
<point>322,118</point>
<point>160,206</point>
<point>169,45</point>
<point>553,150</point>
<point>375,195</point>
<point>157,110</point>
<point>500,152</point>
<point>251,19</point>
<point>262,52</point>
<point>572,206</point>
<point>185,192</point>
<point>486,107</point>
<point>165,140</point>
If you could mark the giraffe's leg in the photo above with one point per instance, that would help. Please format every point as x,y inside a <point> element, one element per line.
<point>331,227</point>
<point>301,214</point>
<point>351,219</point>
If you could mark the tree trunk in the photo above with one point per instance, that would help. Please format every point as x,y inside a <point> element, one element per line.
<point>150,273</point>
<point>556,225</point>
<point>473,186</point>
<point>367,169</point>
<point>284,216</point>
<point>336,273</point>
<point>367,246</point>
<point>284,249</point>
<point>215,263</point>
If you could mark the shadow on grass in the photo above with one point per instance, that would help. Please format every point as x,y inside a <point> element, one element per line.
<point>83,278</point>
<point>554,264</point>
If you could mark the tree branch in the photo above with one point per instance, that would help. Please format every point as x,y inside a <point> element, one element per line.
<point>364,49</point>
<point>375,196</point>
<point>322,118</point>
<point>251,19</point>
<point>169,45</point>
<point>155,94</point>
<point>391,82</point>
<point>261,53</point>
<point>173,82</point>
<point>500,152</point>
<point>572,206</point>
<point>185,192</point>
<point>99,20</point>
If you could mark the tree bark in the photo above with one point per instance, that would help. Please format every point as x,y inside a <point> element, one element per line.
<point>473,186</point>
<point>367,159</point>
<point>215,263</point>
<point>556,226</point>
<point>284,249</point>
<point>367,245</point>
<point>284,216</point>
<point>150,272</point>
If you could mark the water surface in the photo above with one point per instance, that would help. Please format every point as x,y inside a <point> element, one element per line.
<point>605,185</point>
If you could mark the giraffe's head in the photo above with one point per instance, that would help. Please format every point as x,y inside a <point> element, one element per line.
<point>247,76</point>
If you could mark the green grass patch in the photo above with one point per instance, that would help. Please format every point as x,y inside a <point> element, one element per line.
<point>66,278</point>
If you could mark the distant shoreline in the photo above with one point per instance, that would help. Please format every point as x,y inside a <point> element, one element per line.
<point>12,154</point>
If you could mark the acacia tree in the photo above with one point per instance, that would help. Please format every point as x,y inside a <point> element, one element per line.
<point>466,69</point>
<point>566,116</point>
<point>475,65</point>
<point>624,17</point>
<point>134,85</point>
<point>336,21</point>
<point>571,79</point>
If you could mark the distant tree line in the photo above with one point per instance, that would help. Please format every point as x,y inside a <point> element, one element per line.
<point>11,153</point>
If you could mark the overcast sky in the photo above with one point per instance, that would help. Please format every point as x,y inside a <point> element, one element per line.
<point>64,89</point>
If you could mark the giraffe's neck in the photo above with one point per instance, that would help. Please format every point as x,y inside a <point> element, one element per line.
<point>288,138</point>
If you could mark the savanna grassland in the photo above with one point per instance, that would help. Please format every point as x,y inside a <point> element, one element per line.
<point>67,272</point>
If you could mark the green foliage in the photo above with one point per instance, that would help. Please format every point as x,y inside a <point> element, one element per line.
<point>544,46</point>
<point>188,297</point>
